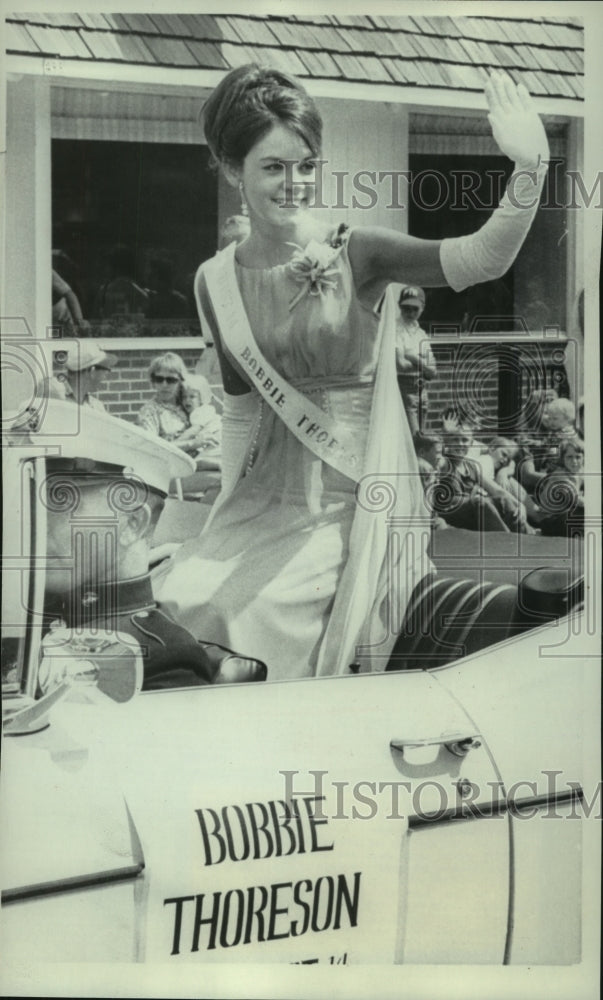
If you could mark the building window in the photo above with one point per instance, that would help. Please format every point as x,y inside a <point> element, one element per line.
<point>131,222</point>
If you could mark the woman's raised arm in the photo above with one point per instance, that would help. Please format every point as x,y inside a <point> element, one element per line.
<point>383,255</point>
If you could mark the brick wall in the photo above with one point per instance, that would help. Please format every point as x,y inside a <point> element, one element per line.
<point>468,379</point>
<point>128,386</point>
<point>467,382</point>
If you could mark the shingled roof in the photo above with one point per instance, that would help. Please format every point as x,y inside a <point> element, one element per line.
<point>427,52</point>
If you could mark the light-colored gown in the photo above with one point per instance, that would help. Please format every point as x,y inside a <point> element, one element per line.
<point>299,565</point>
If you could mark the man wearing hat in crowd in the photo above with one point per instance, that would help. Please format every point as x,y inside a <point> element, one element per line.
<point>415,362</point>
<point>105,487</point>
<point>80,373</point>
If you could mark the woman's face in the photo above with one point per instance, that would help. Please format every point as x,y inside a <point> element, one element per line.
<point>166,384</point>
<point>278,177</point>
<point>573,460</point>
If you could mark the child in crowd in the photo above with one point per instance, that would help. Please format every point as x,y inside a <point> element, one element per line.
<point>539,453</point>
<point>559,420</point>
<point>429,451</point>
<point>469,499</point>
<point>571,460</point>
<point>560,493</point>
<point>451,424</point>
<point>202,439</point>
<point>500,463</point>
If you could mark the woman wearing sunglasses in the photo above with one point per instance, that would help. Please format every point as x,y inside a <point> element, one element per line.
<point>164,415</point>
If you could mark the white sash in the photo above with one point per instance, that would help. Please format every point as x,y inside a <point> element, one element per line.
<point>323,435</point>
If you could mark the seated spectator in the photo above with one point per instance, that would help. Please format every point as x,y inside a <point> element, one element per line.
<point>560,493</point>
<point>499,463</point>
<point>80,376</point>
<point>559,421</point>
<point>468,499</point>
<point>164,415</point>
<point>534,408</point>
<point>452,423</point>
<point>497,454</point>
<point>203,438</point>
<point>539,452</point>
<point>428,448</point>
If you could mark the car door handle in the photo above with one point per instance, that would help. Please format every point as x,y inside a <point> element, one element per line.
<point>458,744</point>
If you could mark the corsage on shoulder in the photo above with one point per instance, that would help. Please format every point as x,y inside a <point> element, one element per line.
<point>312,268</point>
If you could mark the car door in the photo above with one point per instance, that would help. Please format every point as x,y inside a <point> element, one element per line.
<point>533,697</point>
<point>317,821</point>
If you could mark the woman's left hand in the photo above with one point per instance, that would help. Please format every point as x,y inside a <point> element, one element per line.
<point>516,125</point>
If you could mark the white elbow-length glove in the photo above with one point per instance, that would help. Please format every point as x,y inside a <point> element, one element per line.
<point>518,130</point>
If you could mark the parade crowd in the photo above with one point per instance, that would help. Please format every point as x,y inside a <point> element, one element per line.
<point>531,481</point>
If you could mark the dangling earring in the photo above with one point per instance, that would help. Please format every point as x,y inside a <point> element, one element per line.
<point>244,208</point>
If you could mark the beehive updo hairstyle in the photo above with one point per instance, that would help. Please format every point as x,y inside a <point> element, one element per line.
<point>247,103</point>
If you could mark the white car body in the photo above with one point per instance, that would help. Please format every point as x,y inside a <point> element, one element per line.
<point>422,816</point>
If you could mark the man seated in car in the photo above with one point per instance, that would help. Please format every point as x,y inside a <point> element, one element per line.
<point>105,487</point>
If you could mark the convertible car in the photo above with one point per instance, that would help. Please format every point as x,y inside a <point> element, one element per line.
<point>431,813</point>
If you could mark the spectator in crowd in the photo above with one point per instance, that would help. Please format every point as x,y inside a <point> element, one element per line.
<point>530,437</point>
<point>559,420</point>
<point>121,477</point>
<point>164,301</point>
<point>571,460</point>
<point>415,362</point>
<point>452,424</point>
<point>429,451</point>
<point>497,454</point>
<point>539,452</point>
<point>560,493</point>
<point>164,415</point>
<point>537,400</point>
<point>202,438</point>
<point>80,375</point>
<point>121,295</point>
<point>468,499</point>
<point>499,463</point>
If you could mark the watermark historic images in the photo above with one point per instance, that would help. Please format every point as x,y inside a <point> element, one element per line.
<point>431,189</point>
